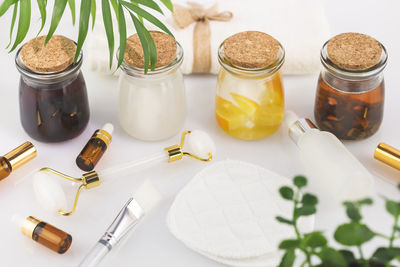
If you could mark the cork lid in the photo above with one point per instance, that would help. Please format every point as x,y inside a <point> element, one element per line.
<point>251,49</point>
<point>56,56</point>
<point>354,51</point>
<point>166,50</point>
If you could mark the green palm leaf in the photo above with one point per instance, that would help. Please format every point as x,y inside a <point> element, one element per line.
<point>146,15</point>
<point>6,5</point>
<point>58,11</point>
<point>83,25</point>
<point>168,4</point>
<point>149,3</point>
<point>93,12</point>
<point>108,26</point>
<point>23,22</point>
<point>71,4</point>
<point>14,18</point>
<point>152,48</point>
<point>114,4</point>
<point>122,34</point>
<point>42,8</point>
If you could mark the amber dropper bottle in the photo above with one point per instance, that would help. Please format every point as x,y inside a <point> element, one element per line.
<point>16,158</point>
<point>95,148</point>
<point>44,233</point>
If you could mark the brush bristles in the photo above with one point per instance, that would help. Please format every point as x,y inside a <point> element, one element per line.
<point>147,196</point>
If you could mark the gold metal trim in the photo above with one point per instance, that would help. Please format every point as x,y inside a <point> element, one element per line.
<point>103,135</point>
<point>89,180</point>
<point>175,152</point>
<point>21,155</point>
<point>388,155</point>
<point>29,225</point>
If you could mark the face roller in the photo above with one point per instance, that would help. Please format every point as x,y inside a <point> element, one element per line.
<point>52,197</point>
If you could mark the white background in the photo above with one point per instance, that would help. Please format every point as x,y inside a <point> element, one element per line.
<point>152,244</point>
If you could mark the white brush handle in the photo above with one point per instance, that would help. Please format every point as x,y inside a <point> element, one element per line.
<point>134,166</point>
<point>95,256</point>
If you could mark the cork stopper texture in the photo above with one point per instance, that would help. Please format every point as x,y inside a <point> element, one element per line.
<point>354,51</point>
<point>166,50</point>
<point>56,56</point>
<point>251,49</point>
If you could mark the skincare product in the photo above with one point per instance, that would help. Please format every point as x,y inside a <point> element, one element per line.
<point>44,233</point>
<point>351,90</point>
<point>95,148</point>
<point>388,155</point>
<point>328,162</point>
<point>16,158</point>
<point>52,196</point>
<point>144,200</point>
<point>152,106</point>
<point>53,100</point>
<point>250,97</point>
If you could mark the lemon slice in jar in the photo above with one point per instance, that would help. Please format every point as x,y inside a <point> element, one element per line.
<point>229,116</point>
<point>247,106</point>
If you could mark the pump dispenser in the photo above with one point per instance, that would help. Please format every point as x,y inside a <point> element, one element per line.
<point>328,162</point>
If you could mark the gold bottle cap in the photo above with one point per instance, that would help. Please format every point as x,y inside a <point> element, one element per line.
<point>103,135</point>
<point>21,155</point>
<point>29,225</point>
<point>388,155</point>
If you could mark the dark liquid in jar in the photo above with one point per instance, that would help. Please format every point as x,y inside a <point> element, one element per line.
<point>349,116</point>
<point>54,113</point>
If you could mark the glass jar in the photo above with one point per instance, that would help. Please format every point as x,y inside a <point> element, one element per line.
<point>350,103</point>
<point>53,105</point>
<point>152,106</point>
<point>249,102</point>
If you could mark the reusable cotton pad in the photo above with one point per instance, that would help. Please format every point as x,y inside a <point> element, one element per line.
<point>227,213</point>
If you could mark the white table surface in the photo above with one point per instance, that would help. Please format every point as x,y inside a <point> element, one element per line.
<point>152,244</point>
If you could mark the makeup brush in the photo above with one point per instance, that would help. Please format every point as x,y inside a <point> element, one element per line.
<point>145,199</point>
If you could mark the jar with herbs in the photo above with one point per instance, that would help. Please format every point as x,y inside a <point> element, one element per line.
<point>152,106</point>
<point>250,96</point>
<point>351,90</point>
<point>52,92</point>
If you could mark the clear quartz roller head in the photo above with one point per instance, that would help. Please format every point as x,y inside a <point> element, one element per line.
<point>52,195</point>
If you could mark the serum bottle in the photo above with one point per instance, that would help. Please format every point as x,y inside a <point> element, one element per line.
<point>95,148</point>
<point>328,162</point>
<point>16,158</point>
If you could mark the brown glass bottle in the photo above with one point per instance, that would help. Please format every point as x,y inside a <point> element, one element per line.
<point>46,234</point>
<point>349,115</point>
<point>5,168</point>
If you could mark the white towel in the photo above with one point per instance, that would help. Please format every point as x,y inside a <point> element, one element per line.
<point>300,26</point>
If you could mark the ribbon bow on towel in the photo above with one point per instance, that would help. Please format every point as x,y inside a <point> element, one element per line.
<point>195,13</point>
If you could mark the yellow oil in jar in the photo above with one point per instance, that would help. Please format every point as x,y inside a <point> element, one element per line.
<point>249,108</point>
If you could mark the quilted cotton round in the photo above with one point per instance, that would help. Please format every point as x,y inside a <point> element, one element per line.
<point>227,212</point>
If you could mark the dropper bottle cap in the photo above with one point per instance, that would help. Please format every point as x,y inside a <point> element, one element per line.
<point>297,126</point>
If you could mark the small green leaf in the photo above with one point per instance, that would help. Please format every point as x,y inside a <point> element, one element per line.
<point>288,259</point>
<point>348,256</point>
<point>14,17</point>
<point>332,258</point>
<point>93,12</point>
<point>23,22</point>
<point>289,244</point>
<point>305,210</point>
<point>168,4</point>
<point>58,11</point>
<point>309,199</point>
<point>300,181</point>
<point>108,26</point>
<point>286,192</point>
<point>151,4</point>
<point>353,234</point>
<point>398,186</point>
<point>146,15</point>
<point>122,34</point>
<point>6,5</point>
<point>386,254</point>
<point>365,201</point>
<point>283,220</point>
<point>42,9</point>
<point>83,26</point>
<point>315,240</point>
<point>392,207</point>
<point>71,4</point>
<point>352,212</point>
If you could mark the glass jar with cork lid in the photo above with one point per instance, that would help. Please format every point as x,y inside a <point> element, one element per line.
<point>250,96</point>
<point>152,106</point>
<point>52,92</point>
<point>350,92</point>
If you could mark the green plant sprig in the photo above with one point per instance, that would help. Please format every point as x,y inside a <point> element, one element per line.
<point>353,234</point>
<point>22,10</point>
